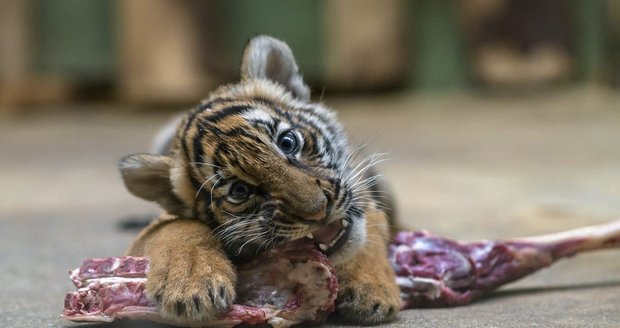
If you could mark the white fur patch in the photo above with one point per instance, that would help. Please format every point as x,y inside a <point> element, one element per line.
<point>257,115</point>
<point>181,184</point>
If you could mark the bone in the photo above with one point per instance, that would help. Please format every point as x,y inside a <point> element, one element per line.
<point>434,272</point>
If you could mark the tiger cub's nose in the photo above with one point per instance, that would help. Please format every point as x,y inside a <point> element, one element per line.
<point>321,209</point>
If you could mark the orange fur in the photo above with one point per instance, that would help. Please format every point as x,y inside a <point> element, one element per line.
<point>368,293</point>
<point>189,275</point>
<point>231,138</point>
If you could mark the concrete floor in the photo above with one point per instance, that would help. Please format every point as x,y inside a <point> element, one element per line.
<point>463,166</point>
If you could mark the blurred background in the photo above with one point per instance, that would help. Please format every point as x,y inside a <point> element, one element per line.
<point>172,52</point>
<point>501,119</point>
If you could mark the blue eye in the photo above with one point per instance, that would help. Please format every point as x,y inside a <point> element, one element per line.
<point>288,143</point>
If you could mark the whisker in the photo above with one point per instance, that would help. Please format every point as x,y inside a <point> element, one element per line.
<point>236,225</point>
<point>232,239</point>
<point>375,242</point>
<point>352,156</point>
<point>202,186</point>
<point>375,235</point>
<point>211,193</point>
<point>367,199</point>
<point>207,164</point>
<point>269,242</point>
<point>360,164</point>
<point>364,166</point>
<point>263,243</point>
<point>373,192</point>
<point>370,179</point>
<point>228,227</point>
<point>249,240</point>
<point>245,216</point>
<point>368,164</point>
<point>382,225</point>
<point>370,192</point>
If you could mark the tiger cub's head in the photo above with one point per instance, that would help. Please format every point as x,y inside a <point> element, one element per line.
<point>259,163</point>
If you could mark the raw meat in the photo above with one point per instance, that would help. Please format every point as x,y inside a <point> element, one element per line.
<point>296,284</point>
<point>433,271</point>
<point>282,287</point>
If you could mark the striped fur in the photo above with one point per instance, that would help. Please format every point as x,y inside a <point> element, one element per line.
<point>231,144</point>
<point>232,135</point>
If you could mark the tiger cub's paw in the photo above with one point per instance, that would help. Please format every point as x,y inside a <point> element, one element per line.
<point>190,292</point>
<point>368,302</point>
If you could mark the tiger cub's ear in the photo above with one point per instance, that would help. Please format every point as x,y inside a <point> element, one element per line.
<point>271,59</point>
<point>148,176</point>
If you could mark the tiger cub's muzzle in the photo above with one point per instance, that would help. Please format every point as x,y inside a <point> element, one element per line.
<point>305,197</point>
<point>307,202</point>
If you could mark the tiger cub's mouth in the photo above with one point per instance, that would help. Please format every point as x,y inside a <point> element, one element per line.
<point>330,238</point>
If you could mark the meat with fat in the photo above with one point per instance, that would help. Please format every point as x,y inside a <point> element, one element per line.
<point>282,287</point>
<point>433,271</point>
<point>296,284</point>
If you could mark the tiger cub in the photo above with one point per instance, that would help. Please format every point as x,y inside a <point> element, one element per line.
<point>253,166</point>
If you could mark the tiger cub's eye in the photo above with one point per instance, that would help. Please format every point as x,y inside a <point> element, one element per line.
<point>288,143</point>
<point>239,190</point>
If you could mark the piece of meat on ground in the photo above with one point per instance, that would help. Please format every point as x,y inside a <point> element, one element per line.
<point>296,284</point>
<point>433,271</point>
<point>282,287</point>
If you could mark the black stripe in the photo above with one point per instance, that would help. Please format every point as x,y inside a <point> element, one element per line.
<point>300,118</point>
<point>313,112</point>
<point>337,191</point>
<point>278,111</point>
<point>344,197</point>
<point>321,117</point>
<point>265,101</point>
<point>276,122</point>
<point>221,114</point>
<point>222,148</point>
<point>196,184</point>
<point>268,126</point>
<point>315,143</point>
<point>194,181</point>
<point>209,126</point>
<point>185,150</point>
<point>197,145</point>
<point>200,108</point>
<point>355,210</point>
<point>236,132</point>
<point>299,113</point>
<point>328,144</point>
<point>222,153</point>
<point>209,217</point>
<point>265,128</point>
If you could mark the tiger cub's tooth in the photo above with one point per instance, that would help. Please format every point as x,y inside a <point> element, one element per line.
<point>345,223</point>
<point>309,236</point>
<point>323,247</point>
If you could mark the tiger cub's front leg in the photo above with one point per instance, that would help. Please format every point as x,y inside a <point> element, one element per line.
<point>190,278</point>
<point>368,293</point>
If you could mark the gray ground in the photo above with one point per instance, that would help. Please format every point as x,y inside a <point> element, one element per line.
<point>463,166</point>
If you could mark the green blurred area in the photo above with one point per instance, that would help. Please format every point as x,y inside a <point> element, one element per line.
<point>75,38</point>
<point>298,22</point>
<point>78,38</point>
